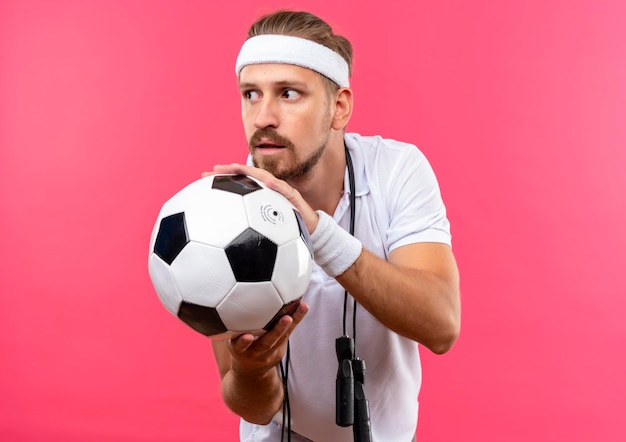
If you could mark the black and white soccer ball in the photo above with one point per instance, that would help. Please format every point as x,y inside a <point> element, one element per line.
<point>229,256</point>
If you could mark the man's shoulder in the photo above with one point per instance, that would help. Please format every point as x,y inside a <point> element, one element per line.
<point>384,154</point>
<point>376,144</point>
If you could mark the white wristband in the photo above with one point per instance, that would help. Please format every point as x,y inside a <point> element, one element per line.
<point>335,250</point>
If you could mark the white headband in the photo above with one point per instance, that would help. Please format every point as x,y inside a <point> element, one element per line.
<point>286,49</point>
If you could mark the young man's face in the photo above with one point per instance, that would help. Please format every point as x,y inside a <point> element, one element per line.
<point>287,115</point>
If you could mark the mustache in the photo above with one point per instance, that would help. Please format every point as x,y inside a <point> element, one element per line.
<point>271,135</point>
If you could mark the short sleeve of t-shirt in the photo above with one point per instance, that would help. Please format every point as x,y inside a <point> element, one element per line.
<point>411,194</point>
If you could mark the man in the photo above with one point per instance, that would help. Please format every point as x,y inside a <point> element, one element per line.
<point>296,102</point>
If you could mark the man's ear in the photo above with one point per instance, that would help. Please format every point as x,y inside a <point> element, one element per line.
<point>343,108</point>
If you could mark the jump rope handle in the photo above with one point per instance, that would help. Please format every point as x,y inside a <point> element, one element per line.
<point>362,429</point>
<point>344,385</point>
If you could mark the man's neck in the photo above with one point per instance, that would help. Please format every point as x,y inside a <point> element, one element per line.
<point>322,187</point>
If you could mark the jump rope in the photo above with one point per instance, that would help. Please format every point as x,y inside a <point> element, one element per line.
<point>351,405</point>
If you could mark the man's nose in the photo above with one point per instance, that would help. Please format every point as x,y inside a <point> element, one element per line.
<point>267,114</point>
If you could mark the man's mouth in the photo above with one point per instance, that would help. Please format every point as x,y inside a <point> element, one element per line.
<point>265,143</point>
<point>269,142</point>
<point>269,149</point>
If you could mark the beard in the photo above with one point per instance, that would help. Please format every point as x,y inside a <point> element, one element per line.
<point>284,168</point>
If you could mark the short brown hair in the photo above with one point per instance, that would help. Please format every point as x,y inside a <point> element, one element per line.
<point>304,25</point>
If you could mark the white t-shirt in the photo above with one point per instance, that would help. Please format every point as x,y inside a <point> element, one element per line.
<point>398,202</point>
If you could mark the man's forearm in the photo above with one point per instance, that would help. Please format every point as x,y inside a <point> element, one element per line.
<point>256,399</point>
<point>413,302</point>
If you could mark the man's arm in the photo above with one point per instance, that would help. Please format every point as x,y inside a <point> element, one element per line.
<point>415,294</point>
<point>251,386</point>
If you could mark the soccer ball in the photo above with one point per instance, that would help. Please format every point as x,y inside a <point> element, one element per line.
<point>229,256</point>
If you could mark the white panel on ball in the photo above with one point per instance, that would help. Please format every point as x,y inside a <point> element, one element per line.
<point>164,284</point>
<point>250,306</point>
<point>202,274</point>
<point>292,270</point>
<point>271,214</point>
<point>213,217</point>
<point>186,196</point>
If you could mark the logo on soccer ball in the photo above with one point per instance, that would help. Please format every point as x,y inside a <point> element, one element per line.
<point>272,215</point>
<point>229,256</point>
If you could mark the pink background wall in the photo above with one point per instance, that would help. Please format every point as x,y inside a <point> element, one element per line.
<point>109,107</point>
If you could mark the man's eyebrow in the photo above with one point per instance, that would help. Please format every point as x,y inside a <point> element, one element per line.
<point>276,84</point>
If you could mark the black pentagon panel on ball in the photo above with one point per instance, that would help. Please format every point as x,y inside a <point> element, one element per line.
<point>239,184</point>
<point>202,319</point>
<point>288,309</point>
<point>304,232</point>
<point>171,238</point>
<point>251,256</point>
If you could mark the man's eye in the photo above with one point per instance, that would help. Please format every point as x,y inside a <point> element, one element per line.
<point>251,95</point>
<point>290,94</point>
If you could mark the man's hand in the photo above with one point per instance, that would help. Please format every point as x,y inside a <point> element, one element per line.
<point>256,355</point>
<point>251,386</point>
